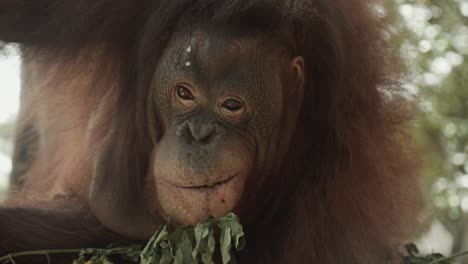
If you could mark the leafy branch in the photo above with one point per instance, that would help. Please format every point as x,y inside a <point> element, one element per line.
<point>414,257</point>
<point>182,245</point>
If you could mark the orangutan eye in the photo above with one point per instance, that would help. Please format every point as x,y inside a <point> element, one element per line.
<point>232,105</point>
<point>184,93</point>
<point>233,109</point>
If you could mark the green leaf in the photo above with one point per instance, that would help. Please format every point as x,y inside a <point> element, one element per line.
<point>186,245</point>
<point>225,244</point>
<point>156,251</point>
<point>105,260</point>
<point>207,258</point>
<point>166,256</point>
<point>205,243</point>
<point>231,233</point>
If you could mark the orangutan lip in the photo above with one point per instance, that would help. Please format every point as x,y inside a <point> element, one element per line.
<point>206,186</point>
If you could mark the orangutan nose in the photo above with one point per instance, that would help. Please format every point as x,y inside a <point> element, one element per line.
<point>197,130</point>
<point>202,132</point>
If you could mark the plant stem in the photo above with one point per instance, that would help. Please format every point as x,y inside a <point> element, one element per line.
<point>11,256</point>
<point>450,257</point>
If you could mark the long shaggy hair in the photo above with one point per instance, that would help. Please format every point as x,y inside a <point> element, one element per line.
<point>349,190</point>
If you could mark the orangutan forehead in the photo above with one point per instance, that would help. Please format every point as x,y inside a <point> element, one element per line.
<point>215,54</point>
<point>210,47</point>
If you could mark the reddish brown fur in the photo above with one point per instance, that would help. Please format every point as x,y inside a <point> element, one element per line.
<point>349,192</point>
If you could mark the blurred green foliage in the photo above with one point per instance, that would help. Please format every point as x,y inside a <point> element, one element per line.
<point>6,138</point>
<point>435,46</point>
<point>6,130</point>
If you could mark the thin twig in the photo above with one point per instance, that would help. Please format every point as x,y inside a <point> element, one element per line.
<point>10,257</point>
<point>450,257</point>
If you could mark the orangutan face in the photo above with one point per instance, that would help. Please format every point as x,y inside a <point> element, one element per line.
<point>221,103</point>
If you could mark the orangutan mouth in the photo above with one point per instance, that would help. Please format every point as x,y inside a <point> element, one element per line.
<point>212,185</point>
<point>208,186</point>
